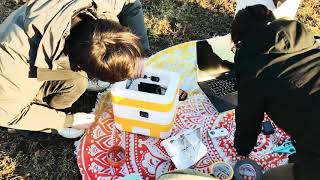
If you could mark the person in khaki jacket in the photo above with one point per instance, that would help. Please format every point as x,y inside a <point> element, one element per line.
<point>48,49</point>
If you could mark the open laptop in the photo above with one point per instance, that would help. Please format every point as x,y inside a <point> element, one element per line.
<point>216,78</point>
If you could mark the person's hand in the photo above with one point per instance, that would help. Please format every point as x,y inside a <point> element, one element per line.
<point>140,69</point>
<point>82,120</point>
<point>233,47</point>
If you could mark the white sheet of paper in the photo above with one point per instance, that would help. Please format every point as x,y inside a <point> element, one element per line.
<point>185,148</point>
<point>286,10</point>
<point>241,4</point>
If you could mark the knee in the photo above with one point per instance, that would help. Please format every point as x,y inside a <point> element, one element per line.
<point>79,85</point>
<point>130,11</point>
<point>65,98</point>
<point>134,5</point>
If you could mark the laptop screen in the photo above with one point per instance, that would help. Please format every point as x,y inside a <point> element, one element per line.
<point>210,65</point>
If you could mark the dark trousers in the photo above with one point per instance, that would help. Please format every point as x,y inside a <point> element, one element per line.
<point>132,17</point>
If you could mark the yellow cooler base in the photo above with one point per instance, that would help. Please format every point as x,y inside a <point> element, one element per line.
<point>155,130</point>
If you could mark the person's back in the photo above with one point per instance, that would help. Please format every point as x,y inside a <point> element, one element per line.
<point>291,77</point>
<point>278,72</point>
<point>288,69</point>
<point>45,58</point>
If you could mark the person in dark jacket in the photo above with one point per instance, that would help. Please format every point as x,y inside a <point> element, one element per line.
<point>277,65</point>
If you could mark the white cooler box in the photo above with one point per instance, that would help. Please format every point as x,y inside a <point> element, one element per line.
<point>146,113</point>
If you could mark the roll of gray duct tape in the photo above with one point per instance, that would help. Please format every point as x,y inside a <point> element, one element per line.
<point>247,169</point>
<point>222,170</point>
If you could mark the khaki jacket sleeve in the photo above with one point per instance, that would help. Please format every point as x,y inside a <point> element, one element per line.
<point>47,24</point>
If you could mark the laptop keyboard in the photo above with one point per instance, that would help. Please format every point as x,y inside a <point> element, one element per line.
<point>221,87</point>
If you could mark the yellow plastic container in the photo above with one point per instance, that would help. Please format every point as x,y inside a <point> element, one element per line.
<point>146,113</point>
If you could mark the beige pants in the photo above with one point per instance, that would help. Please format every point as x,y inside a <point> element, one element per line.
<point>45,113</point>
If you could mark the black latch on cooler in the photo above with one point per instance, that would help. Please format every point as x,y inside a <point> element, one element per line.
<point>144,114</point>
<point>153,78</point>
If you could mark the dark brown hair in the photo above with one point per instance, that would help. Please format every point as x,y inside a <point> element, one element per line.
<point>248,19</point>
<point>104,49</point>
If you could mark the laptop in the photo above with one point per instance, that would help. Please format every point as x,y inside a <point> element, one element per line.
<point>216,78</point>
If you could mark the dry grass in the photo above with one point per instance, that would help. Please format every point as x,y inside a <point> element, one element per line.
<point>169,22</point>
<point>309,13</point>
<point>6,7</point>
<point>7,165</point>
<point>174,21</point>
<point>21,158</point>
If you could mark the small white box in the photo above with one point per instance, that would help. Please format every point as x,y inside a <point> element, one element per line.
<point>146,113</point>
